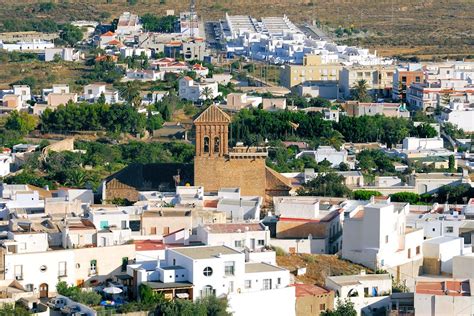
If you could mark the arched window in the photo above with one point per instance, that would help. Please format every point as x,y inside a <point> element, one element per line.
<point>217,144</point>
<point>207,290</point>
<point>206,144</point>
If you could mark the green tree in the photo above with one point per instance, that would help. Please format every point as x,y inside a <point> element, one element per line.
<point>101,99</point>
<point>425,130</point>
<point>325,184</point>
<point>365,195</point>
<point>21,122</point>
<point>13,310</point>
<point>451,163</point>
<point>207,93</point>
<point>407,197</point>
<point>360,91</point>
<point>343,308</point>
<point>130,91</point>
<point>71,34</point>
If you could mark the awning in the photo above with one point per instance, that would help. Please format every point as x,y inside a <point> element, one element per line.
<point>182,295</point>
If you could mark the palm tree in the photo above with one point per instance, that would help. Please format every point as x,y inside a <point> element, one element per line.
<point>130,91</point>
<point>76,178</point>
<point>360,91</point>
<point>207,93</point>
<point>334,139</point>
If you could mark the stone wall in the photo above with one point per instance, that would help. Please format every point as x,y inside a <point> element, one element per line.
<point>310,304</point>
<point>301,229</point>
<point>214,173</point>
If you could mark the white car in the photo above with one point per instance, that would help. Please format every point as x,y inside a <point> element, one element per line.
<point>57,303</point>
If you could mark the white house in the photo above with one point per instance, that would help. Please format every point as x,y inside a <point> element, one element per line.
<point>375,235</point>
<point>192,90</point>
<point>364,290</point>
<point>196,272</point>
<point>93,91</point>
<point>328,153</point>
<point>460,114</point>
<point>64,53</point>
<point>34,45</point>
<point>237,207</point>
<point>5,161</point>
<point>144,75</point>
<point>441,251</point>
<point>240,236</point>
<point>414,143</point>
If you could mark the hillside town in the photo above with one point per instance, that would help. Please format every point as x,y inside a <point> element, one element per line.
<point>167,164</point>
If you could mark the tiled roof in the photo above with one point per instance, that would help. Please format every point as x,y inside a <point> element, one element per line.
<point>303,290</point>
<point>234,228</point>
<point>449,288</point>
<point>109,33</point>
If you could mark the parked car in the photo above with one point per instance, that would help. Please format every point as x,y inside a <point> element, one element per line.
<point>70,309</point>
<point>56,303</point>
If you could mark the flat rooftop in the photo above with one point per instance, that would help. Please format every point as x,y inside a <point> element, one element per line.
<point>356,278</point>
<point>206,252</point>
<point>261,267</point>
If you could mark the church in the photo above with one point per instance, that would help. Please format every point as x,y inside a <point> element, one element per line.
<point>218,166</point>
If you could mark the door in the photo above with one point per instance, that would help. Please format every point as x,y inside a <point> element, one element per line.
<point>166,230</point>
<point>153,231</point>
<point>43,289</point>
<point>252,244</point>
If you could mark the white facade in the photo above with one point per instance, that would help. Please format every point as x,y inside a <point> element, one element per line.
<point>93,91</point>
<point>414,143</point>
<point>460,114</point>
<point>445,249</point>
<point>222,271</point>
<point>35,45</point>
<point>326,153</point>
<point>375,236</point>
<point>462,266</point>
<point>194,91</point>
<point>64,53</point>
<point>5,161</point>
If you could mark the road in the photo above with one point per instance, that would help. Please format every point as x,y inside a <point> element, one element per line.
<point>315,32</point>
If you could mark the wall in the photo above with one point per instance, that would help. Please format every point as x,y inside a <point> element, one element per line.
<point>217,172</point>
<point>314,246</point>
<point>309,305</point>
<point>463,267</point>
<point>273,302</point>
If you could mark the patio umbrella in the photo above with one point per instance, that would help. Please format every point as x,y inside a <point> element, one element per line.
<point>112,290</point>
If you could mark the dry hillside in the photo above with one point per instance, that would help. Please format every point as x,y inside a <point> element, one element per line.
<point>422,27</point>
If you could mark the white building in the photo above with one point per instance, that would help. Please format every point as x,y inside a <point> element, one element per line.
<point>64,53</point>
<point>128,24</point>
<point>196,272</point>
<point>93,91</point>
<point>5,161</point>
<point>414,143</point>
<point>442,250</point>
<point>239,208</point>
<point>375,235</point>
<point>460,114</point>
<point>444,298</point>
<point>462,266</point>
<point>240,236</point>
<point>34,45</point>
<point>328,153</point>
<point>144,75</point>
<point>192,90</point>
<point>364,290</point>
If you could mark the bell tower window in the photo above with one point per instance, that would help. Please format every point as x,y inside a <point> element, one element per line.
<point>206,144</point>
<point>217,145</point>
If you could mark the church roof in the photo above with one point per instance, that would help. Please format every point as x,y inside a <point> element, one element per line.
<point>213,115</point>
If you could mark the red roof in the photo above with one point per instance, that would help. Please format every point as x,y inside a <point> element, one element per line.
<point>449,288</point>
<point>109,33</point>
<point>211,203</point>
<point>148,245</point>
<point>303,290</point>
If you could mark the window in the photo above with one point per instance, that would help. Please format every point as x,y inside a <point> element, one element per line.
<point>279,281</point>
<point>207,271</point>
<point>449,229</point>
<point>409,253</point>
<point>93,267</point>
<point>19,272</point>
<point>207,291</point>
<point>248,284</point>
<point>417,250</point>
<point>238,243</point>
<point>124,264</point>
<point>267,284</point>
<point>433,229</point>
<point>322,307</point>
<point>261,242</point>
<point>134,226</point>
<point>231,286</point>
<point>386,239</point>
<point>43,268</point>
<point>217,145</point>
<point>124,224</point>
<point>366,291</point>
<point>104,224</point>
<point>29,287</point>
<point>206,144</point>
<point>62,269</point>
<point>229,268</point>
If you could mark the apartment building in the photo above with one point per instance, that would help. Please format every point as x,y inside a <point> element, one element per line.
<point>404,77</point>
<point>379,79</point>
<point>312,69</point>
